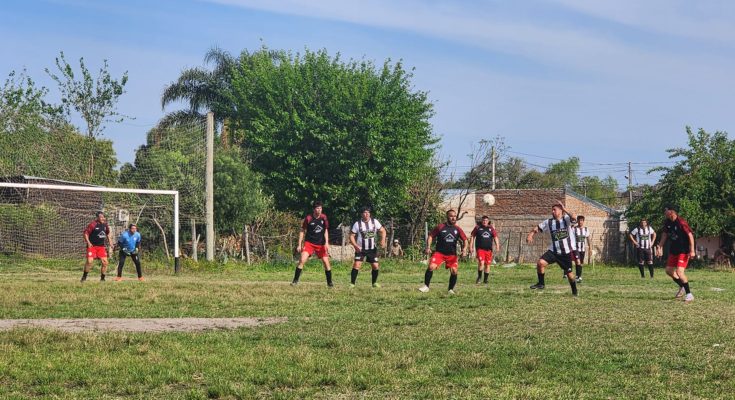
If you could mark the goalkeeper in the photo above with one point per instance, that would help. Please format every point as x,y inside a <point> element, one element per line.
<point>129,242</point>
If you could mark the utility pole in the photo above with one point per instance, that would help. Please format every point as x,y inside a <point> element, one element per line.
<point>630,184</point>
<point>209,180</point>
<point>492,160</point>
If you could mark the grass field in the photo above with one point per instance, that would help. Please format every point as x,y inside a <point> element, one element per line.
<point>624,337</point>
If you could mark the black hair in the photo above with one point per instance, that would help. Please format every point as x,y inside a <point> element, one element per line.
<point>580,217</point>
<point>132,225</point>
<point>98,213</point>
<point>317,204</point>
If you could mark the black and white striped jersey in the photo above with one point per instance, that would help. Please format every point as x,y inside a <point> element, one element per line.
<point>644,237</point>
<point>581,235</point>
<point>366,233</point>
<point>562,234</point>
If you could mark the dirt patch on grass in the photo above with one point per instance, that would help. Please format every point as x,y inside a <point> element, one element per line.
<point>140,324</point>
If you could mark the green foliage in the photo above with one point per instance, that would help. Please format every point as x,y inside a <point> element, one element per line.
<point>701,184</point>
<point>21,224</point>
<point>22,105</point>
<point>94,99</point>
<point>318,128</point>
<point>238,193</point>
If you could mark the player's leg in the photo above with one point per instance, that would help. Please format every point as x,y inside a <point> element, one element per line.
<point>300,266</point>
<point>546,259</point>
<point>641,260</point>
<point>649,259</point>
<point>103,271</point>
<point>578,265</point>
<point>356,264</point>
<point>138,268</point>
<point>681,272</point>
<point>327,267</point>
<point>480,267</point>
<point>434,262</point>
<point>488,260</point>
<point>671,271</point>
<point>120,264</point>
<point>453,269</point>
<point>565,262</point>
<point>375,272</point>
<point>87,264</point>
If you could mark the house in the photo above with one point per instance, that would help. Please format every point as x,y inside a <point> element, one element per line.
<point>516,211</point>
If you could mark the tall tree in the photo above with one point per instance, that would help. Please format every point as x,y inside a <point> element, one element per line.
<point>349,133</point>
<point>701,184</point>
<point>95,99</point>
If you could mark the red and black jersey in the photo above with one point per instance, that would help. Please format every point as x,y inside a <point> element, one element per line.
<point>97,233</point>
<point>446,238</point>
<point>678,232</point>
<point>484,237</point>
<point>315,228</point>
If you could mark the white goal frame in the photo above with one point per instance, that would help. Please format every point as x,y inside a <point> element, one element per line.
<point>175,193</point>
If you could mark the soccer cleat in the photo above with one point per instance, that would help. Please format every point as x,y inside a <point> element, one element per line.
<point>330,285</point>
<point>376,285</point>
<point>294,283</point>
<point>477,282</point>
<point>538,286</point>
<point>689,297</point>
<point>141,279</point>
<point>578,279</point>
<point>352,285</point>
<point>679,293</point>
<point>424,289</point>
<point>84,279</point>
<point>118,278</point>
<point>451,292</point>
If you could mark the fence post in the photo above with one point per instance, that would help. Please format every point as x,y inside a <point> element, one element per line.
<point>520,247</point>
<point>247,243</point>
<point>194,240</point>
<point>390,242</point>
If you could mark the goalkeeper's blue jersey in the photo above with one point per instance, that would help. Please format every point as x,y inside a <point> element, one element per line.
<point>129,241</point>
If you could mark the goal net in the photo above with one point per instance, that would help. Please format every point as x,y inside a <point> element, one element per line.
<point>46,218</point>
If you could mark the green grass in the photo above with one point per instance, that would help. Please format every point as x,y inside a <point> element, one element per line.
<point>623,338</point>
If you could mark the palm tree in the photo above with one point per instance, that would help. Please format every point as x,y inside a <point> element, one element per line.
<point>204,90</point>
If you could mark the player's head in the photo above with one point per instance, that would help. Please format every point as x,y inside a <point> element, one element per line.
<point>485,220</point>
<point>317,207</point>
<point>557,210</point>
<point>451,217</point>
<point>580,220</point>
<point>671,213</point>
<point>133,228</point>
<point>395,242</point>
<point>100,216</point>
<point>644,223</point>
<point>365,213</point>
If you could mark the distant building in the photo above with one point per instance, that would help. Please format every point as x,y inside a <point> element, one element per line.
<point>516,211</point>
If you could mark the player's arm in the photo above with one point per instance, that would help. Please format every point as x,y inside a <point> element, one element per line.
<point>326,239</point>
<point>300,245</point>
<point>632,239</point>
<point>463,238</point>
<point>428,244</point>
<point>472,241</point>
<point>529,238</point>
<point>653,237</point>
<point>660,246</point>
<point>692,251</point>
<point>572,216</point>
<point>497,243</point>
<point>353,242</point>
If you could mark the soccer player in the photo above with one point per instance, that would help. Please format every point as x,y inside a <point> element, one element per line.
<point>96,237</point>
<point>562,245</point>
<point>129,242</point>
<point>482,239</point>
<point>681,250</point>
<point>447,235</point>
<point>314,239</point>
<point>582,236</point>
<point>643,237</point>
<point>363,236</point>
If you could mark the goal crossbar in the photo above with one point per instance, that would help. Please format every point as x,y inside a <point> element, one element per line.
<point>175,193</point>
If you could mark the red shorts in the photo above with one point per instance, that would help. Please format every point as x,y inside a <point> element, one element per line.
<point>678,260</point>
<point>312,248</point>
<point>486,256</point>
<point>439,258</point>
<point>97,252</point>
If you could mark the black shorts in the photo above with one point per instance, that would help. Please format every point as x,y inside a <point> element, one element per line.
<point>645,255</point>
<point>580,256</point>
<point>370,256</point>
<point>564,260</point>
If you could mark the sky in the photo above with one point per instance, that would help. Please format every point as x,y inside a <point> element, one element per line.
<point>608,81</point>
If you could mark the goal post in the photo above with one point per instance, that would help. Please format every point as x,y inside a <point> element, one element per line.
<point>101,189</point>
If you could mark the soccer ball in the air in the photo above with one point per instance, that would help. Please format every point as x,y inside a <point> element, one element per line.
<point>488,199</point>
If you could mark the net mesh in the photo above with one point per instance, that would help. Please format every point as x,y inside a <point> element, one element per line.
<point>50,222</point>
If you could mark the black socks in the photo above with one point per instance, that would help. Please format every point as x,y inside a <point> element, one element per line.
<point>353,275</point>
<point>297,275</point>
<point>427,276</point>
<point>650,269</point>
<point>329,277</point>
<point>579,271</point>
<point>685,285</point>
<point>487,274</point>
<point>540,278</point>
<point>375,273</point>
<point>84,275</point>
<point>452,281</point>
<point>479,274</point>
<point>573,284</point>
<point>640,268</point>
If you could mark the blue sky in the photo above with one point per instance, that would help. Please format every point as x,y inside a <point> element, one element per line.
<point>609,81</point>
